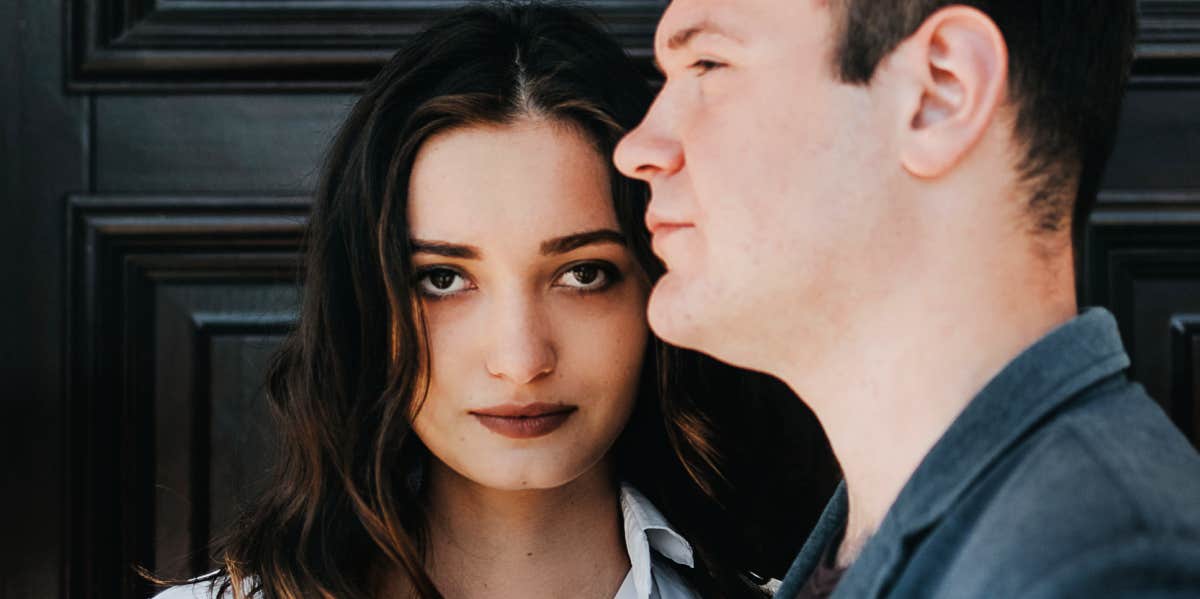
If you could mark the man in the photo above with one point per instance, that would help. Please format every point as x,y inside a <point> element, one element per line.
<point>873,200</point>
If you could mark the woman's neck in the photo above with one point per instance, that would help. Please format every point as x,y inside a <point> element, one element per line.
<point>490,543</point>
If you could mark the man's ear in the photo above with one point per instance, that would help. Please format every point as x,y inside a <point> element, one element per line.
<point>954,72</point>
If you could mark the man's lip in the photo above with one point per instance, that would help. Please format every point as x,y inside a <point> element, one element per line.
<point>668,227</point>
<point>657,224</point>
<point>532,410</point>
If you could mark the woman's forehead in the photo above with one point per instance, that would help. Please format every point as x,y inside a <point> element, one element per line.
<point>532,180</point>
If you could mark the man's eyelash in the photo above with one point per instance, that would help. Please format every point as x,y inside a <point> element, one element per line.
<point>705,65</point>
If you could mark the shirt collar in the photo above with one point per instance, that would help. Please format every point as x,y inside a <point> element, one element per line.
<point>645,529</point>
<point>1076,355</point>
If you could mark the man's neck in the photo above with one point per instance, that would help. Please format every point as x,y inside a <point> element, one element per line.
<point>490,543</point>
<point>897,377</point>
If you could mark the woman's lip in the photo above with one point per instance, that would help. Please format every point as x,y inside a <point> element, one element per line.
<point>525,427</point>
<point>528,410</point>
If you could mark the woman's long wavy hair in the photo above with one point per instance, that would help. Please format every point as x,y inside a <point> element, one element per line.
<point>347,382</point>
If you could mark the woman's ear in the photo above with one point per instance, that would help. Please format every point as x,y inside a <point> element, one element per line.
<point>953,72</point>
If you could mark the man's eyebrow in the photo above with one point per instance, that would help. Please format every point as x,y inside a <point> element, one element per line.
<point>684,36</point>
<point>562,245</point>
<point>443,248</point>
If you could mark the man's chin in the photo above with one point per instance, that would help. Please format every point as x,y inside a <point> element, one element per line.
<point>673,314</point>
<point>682,314</point>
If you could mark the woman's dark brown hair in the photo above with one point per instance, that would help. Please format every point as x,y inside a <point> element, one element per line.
<point>347,382</point>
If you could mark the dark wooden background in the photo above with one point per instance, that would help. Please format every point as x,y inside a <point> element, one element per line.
<point>154,158</point>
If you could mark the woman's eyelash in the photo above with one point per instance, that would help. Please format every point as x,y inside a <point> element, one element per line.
<point>439,282</point>
<point>436,289</point>
<point>611,275</point>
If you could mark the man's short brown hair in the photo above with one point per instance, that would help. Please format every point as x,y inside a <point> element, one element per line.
<point>1069,61</point>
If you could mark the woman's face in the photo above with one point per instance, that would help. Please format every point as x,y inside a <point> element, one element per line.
<point>535,307</point>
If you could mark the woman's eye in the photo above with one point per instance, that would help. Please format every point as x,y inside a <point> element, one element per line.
<point>441,282</point>
<point>586,277</point>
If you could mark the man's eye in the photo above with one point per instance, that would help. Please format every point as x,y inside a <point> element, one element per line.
<point>586,277</point>
<point>704,65</point>
<point>441,282</point>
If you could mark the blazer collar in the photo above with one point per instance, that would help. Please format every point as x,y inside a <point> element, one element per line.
<point>1073,357</point>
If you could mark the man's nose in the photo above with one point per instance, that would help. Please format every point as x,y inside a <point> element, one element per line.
<point>651,149</point>
<point>521,348</point>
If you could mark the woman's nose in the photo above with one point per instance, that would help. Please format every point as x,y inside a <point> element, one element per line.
<point>521,349</point>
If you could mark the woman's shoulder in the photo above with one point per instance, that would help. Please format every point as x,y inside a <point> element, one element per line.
<point>209,586</point>
<point>196,590</point>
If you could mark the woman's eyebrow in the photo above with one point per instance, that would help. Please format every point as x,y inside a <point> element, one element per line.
<point>443,248</point>
<point>562,245</point>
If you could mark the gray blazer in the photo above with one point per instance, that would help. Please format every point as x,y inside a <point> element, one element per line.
<point>1060,479</point>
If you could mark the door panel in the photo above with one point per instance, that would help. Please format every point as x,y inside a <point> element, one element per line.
<point>213,142</point>
<point>176,302</point>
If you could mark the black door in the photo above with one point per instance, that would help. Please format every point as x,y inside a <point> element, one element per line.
<point>154,158</point>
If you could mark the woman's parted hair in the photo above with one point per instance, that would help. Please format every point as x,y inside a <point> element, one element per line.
<point>346,383</point>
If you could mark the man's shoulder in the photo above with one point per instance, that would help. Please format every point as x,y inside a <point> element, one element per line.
<point>1109,471</point>
<point>1112,450</point>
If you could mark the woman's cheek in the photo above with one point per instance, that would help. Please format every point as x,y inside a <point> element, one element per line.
<point>609,342</point>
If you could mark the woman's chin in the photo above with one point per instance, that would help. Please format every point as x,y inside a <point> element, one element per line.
<point>522,479</point>
<point>527,470</point>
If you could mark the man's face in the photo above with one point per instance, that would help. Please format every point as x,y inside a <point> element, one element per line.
<point>761,165</point>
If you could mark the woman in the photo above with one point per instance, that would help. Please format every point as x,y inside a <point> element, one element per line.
<point>472,404</point>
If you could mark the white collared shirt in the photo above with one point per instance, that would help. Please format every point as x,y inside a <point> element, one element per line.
<point>649,539</point>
